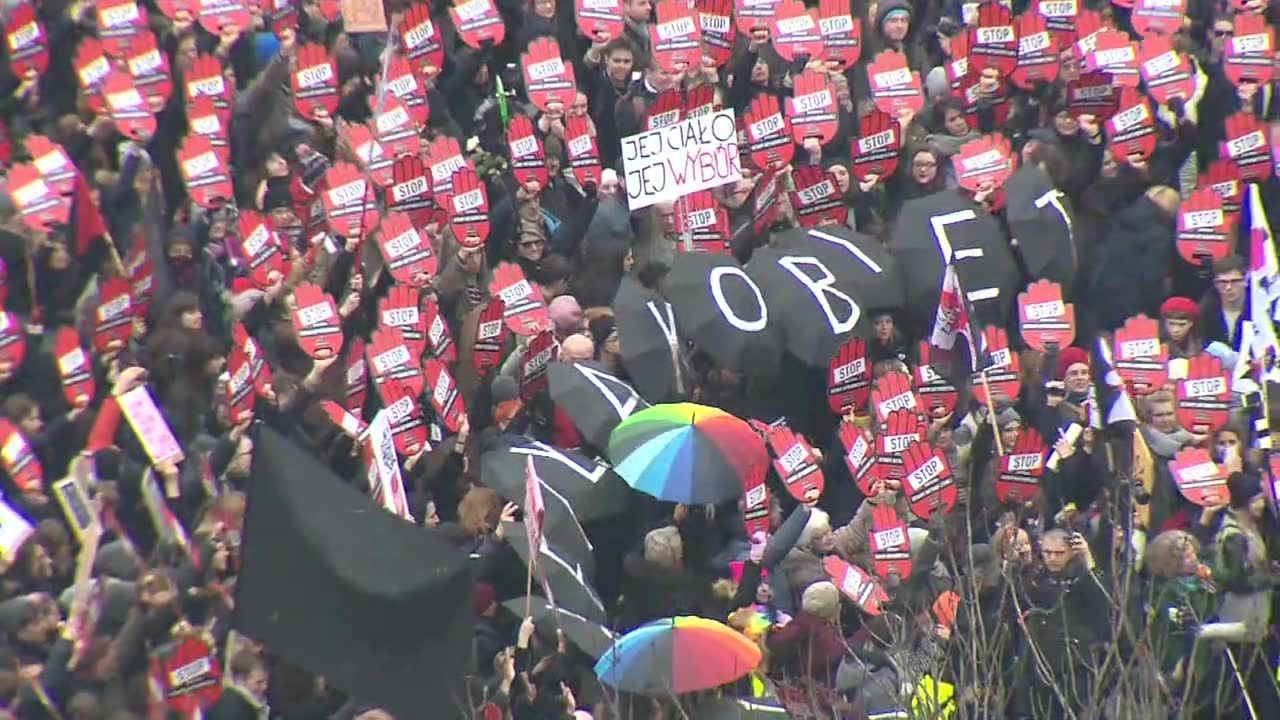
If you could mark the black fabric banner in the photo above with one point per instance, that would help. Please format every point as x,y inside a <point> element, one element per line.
<point>343,588</point>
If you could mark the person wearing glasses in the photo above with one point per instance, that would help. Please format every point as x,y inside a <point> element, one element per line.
<point>921,177</point>
<point>1223,309</point>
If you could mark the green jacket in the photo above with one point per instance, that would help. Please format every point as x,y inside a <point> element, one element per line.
<point>1172,637</point>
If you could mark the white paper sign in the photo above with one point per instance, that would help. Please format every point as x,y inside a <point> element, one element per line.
<point>670,162</point>
<point>140,410</point>
<point>14,530</point>
<point>384,468</point>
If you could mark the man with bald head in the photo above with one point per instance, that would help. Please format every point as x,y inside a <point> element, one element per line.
<point>576,348</point>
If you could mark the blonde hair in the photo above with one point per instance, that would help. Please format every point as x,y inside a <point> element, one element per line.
<point>818,524</point>
<point>1164,554</point>
<point>1156,398</point>
<point>664,548</point>
<point>821,600</point>
<point>478,509</point>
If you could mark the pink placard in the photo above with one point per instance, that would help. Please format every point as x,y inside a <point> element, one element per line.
<point>140,410</point>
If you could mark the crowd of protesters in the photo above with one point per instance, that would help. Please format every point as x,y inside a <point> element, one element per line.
<point>1109,594</point>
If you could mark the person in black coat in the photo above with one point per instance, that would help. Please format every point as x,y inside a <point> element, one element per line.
<point>608,78</point>
<point>1132,261</point>
<point>657,583</point>
<point>1224,310</point>
<point>1067,618</point>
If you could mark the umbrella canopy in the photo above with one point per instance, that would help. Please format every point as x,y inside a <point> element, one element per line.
<point>863,262</point>
<point>686,453</point>
<point>574,486</point>
<point>593,398</point>
<point>944,227</point>
<point>565,575</point>
<point>724,312</point>
<point>677,655</point>
<point>818,297</point>
<point>590,637</point>
<point>653,349</point>
<point>1041,223</point>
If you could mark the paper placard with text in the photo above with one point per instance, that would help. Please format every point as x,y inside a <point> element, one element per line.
<point>699,153</point>
<point>139,409</point>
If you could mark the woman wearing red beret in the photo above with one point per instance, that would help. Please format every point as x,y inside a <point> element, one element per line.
<point>1179,316</point>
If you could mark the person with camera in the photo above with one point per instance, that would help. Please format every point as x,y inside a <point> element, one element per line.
<point>1065,614</point>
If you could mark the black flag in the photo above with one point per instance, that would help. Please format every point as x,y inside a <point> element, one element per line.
<point>341,587</point>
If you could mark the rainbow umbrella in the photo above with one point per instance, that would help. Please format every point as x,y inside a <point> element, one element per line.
<point>677,655</point>
<point>686,453</point>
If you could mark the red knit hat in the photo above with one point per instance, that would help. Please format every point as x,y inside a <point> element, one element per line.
<point>1071,356</point>
<point>1179,306</point>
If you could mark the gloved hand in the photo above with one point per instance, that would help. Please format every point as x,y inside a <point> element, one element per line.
<point>1223,352</point>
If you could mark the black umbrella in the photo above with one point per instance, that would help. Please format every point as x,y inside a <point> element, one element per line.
<point>822,282</point>
<point>864,262</point>
<point>565,575</point>
<point>817,299</point>
<point>724,312</point>
<point>574,486</point>
<point>595,399</point>
<point>498,470</point>
<point>942,227</point>
<point>1042,225</point>
<point>651,343</point>
<point>590,637</point>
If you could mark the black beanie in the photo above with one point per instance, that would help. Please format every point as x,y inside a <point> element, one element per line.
<point>106,464</point>
<point>1243,487</point>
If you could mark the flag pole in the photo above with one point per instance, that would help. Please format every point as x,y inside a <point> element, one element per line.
<point>991,408</point>
<point>528,585</point>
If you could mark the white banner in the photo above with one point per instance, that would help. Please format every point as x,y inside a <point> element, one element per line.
<point>14,530</point>
<point>384,468</point>
<point>670,162</point>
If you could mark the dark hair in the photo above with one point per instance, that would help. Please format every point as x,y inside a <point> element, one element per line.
<point>18,406</point>
<point>1230,263</point>
<point>619,43</point>
<point>1050,157</point>
<point>940,108</point>
<point>651,273</point>
<point>553,268</point>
